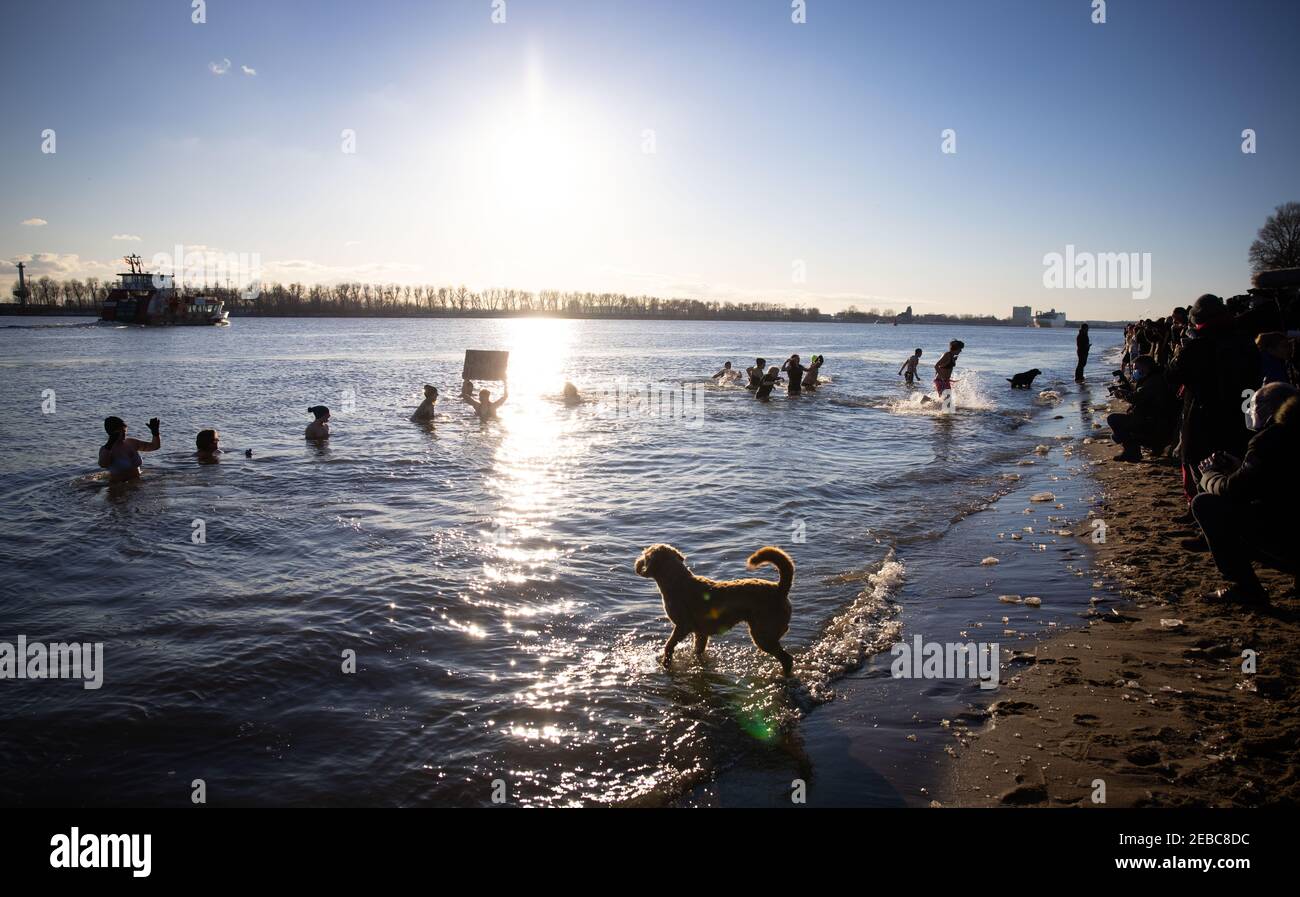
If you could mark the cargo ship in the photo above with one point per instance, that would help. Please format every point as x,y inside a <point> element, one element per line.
<point>154,300</point>
<point>1052,318</point>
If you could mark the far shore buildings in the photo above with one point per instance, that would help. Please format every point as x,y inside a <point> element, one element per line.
<point>1021,315</point>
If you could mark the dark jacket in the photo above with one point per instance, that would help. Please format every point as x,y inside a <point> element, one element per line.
<point>1154,403</point>
<point>1214,369</point>
<point>1269,478</point>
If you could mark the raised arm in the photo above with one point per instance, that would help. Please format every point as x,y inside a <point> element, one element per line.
<point>152,446</point>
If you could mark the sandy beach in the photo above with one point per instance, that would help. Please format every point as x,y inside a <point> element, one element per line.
<point>1148,695</point>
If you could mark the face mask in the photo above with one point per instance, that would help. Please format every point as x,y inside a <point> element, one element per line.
<point>1255,421</point>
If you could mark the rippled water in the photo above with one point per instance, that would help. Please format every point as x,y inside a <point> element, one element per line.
<point>482,574</point>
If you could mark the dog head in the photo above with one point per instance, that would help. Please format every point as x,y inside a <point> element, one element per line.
<point>657,558</point>
<point>1032,374</point>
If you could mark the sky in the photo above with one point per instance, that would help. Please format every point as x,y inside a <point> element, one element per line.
<point>713,149</point>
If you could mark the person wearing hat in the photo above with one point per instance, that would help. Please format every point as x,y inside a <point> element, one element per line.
<point>1214,368</point>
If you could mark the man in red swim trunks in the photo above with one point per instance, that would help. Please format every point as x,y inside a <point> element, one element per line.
<point>943,367</point>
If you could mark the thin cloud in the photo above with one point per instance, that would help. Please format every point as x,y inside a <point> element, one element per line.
<point>248,70</point>
<point>131,237</point>
<point>219,68</point>
<point>35,222</point>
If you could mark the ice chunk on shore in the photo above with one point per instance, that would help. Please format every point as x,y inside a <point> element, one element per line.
<point>1042,496</point>
<point>989,562</point>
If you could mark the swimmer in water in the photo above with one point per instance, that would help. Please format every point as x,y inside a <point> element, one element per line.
<point>571,396</point>
<point>485,408</point>
<point>908,370</point>
<point>810,378</point>
<point>756,373</point>
<point>424,413</point>
<point>765,385</point>
<point>795,370</point>
<point>121,454</point>
<point>208,446</point>
<point>944,366</point>
<point>319,429</point>
<point>726,373</point>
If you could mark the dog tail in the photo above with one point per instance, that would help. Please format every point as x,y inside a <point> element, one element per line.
<point>784,564</point>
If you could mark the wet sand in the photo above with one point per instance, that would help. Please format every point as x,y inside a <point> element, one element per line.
<point>1148,695</point>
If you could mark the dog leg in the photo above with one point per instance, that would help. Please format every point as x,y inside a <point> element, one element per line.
<point>673,639</point>
<point>701,642</point>
<point>773,646</point>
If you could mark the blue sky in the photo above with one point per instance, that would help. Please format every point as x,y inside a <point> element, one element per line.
<point>515,154</point>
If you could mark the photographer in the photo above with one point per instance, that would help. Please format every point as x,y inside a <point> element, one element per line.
<point>1152,414</point>
<point>1246,508</point>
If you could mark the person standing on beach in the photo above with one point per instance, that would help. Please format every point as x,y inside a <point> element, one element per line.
<point>121,454</point>
<point>1081,344</point>
<point>794,371</point>
<point>1213,368</point>
<point>908,369</point>
<point>943,368</point>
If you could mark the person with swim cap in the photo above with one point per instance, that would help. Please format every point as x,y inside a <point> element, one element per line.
<point>424,413</point>
<point>944,366</point>
<point>121,454</point>
<point>319,429</point>
<point>810,377</point>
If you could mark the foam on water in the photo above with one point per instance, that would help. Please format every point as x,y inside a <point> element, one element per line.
<point>967,392</point>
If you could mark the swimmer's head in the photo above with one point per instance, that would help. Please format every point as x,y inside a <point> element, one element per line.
<point>773,370</point>
<point>207,440</point>
<point>760,363</point>
<point>320,411</point>
<point>956,346</point>
<point>484,395</point>
<point>726,365</point>
<point>114,426</point>
<point>431,392</point>
<point>918,353</point>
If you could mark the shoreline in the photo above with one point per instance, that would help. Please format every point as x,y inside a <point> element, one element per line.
<point>1146,703</point>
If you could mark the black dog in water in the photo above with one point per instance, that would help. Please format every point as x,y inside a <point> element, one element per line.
<point>1024,379</point>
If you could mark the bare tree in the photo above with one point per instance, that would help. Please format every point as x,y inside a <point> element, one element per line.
<point>1278,243</point>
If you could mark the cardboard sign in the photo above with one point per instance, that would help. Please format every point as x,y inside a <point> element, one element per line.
<point>481,364</point>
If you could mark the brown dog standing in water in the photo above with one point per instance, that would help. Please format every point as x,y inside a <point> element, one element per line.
<point>704,607</point>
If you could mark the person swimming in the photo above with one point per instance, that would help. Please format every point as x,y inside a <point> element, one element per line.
<point>570,394</point>
<point>484,407</point>
<point>756,373</point>
<point>425,410</point>
<point>319,428</point>
<point>208,445</point>
<point>810,378</point>
<point>727,374</point>
<point>768,381</point>
<point>795,370</point>
<point>121,454</point>
<point>944,366</point>
<point>908,369</point>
